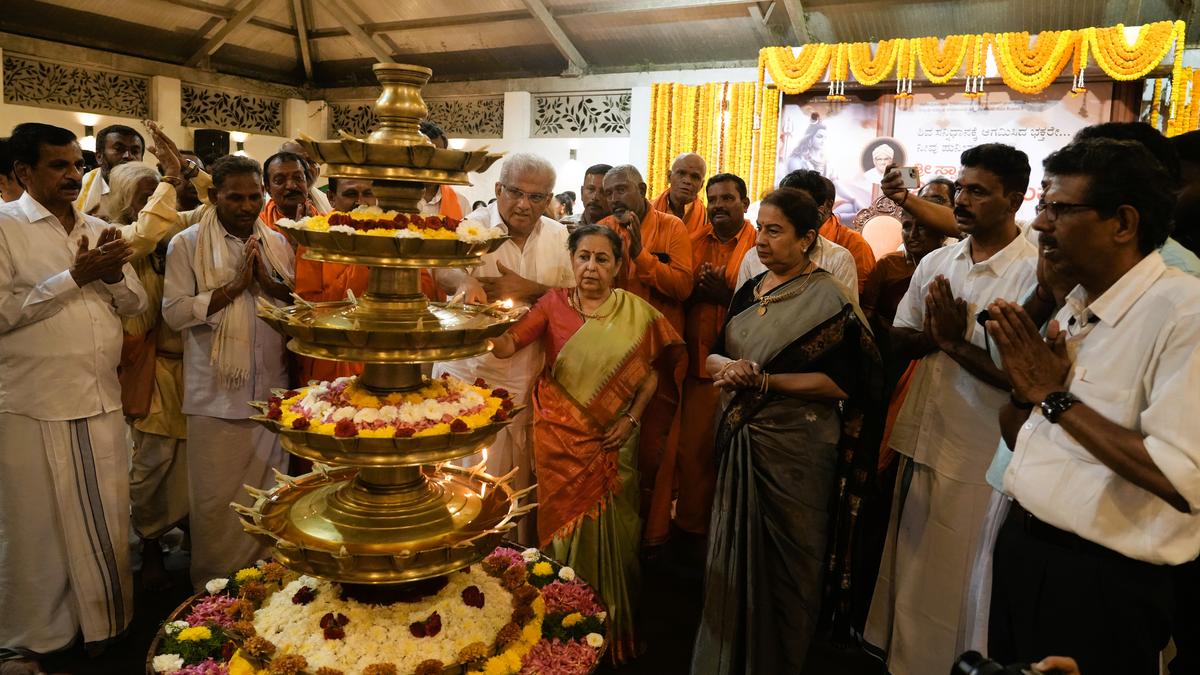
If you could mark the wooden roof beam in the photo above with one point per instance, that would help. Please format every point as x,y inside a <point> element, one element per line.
<point>214,43</point>
<point>302,38</point>
<point>576,64</point>
<point>342,14</point>
<point>795,15</point>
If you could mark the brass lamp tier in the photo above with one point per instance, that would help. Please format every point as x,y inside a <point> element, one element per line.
<point>397,156</point>
<point>383,525</point>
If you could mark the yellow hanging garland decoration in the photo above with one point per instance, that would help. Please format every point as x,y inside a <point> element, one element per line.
<point>795,74</point>
<point>1125,62</point>
<point>870,70</point>
<point>1031,71</point>
<point>1155,101</point>
<point>942,62</point>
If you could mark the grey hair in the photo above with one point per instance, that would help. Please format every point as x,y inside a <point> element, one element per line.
<point>625,169</point>
<point>522,163</point>
<point>122,181</point>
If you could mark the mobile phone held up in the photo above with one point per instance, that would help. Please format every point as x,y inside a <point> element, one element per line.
<point>910,177</point>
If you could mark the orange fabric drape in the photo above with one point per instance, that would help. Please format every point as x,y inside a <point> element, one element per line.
<point>695,216</point>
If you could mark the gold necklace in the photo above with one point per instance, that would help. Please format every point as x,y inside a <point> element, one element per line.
<point>577,305</point>
<point>765,300</point>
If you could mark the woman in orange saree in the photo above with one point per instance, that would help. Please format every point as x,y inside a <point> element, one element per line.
<point>602,345</point>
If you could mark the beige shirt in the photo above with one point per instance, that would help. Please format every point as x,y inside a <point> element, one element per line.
<point>948,421</point>
<point>544,259</point>
<point>59,344</point>
<point>1139,367</point>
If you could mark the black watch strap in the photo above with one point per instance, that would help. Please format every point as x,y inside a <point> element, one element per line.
<point>1018,403</point>
<point>1056,404</point>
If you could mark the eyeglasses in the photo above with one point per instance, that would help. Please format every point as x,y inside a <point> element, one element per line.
<point>534,198</point>
<point>1056,209</point>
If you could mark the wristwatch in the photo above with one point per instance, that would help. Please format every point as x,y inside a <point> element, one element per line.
<point>190,169</point>
<point>1056,404</point>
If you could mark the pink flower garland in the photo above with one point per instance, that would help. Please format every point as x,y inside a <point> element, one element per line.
<point>560,658</point>
<point>205,667</point>
<point>508,555</point>
<point>211,610</point>
<point>572,596</point>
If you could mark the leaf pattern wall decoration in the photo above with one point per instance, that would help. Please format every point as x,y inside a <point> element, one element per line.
<point>575,115</point>
<point>474,117</point>
<point>46,84</point>
<point>213,108</point>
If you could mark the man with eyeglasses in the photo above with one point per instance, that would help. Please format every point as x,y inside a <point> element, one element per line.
<point>1102,421</point>
<point>946,428</point>
<point>533,260</point>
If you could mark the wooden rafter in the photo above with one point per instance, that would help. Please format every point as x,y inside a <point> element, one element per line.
<point>576,64</point>
<point>342,14</point>
<point>212,44</point>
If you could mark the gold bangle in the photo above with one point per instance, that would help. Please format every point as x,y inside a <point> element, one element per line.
<point>633,419</point>
<point>766,382</point>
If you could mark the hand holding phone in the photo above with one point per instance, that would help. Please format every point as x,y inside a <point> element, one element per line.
<point>910,177</point>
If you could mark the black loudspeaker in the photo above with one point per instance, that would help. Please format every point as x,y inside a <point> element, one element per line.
<point>210,144</point>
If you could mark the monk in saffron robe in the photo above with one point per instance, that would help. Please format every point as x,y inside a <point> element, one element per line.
<point>682,196</point>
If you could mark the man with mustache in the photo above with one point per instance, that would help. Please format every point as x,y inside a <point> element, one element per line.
<point>658,269</point>
<point>315,195</point>
<point>717,252</point>
<point>825,254</point>
<point>65,283</point>
<point>533,260</point>
<point>682,196</point>
<point>1102,422</point>
<point>217,269</point>
<point>591,193</point>
<point>287,183</point>
<point>116,144</point>
<point>946,428</point>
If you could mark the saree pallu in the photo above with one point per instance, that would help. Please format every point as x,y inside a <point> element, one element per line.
<point>588,497</point>
<point>791,478</point>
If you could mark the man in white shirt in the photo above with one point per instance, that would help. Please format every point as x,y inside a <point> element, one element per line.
<point>215,271</point>
<point>116,144</point>
<point>64,483</point>
<point>1103,424</point>
<point>10,187</point>
<point>534,260</point>
<point>946,428</point>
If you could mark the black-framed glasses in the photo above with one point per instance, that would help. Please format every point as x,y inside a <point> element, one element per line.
<point>1055,209</point>
<point>534,198</point>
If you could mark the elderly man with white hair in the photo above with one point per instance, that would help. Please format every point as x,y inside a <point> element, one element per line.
<point>531,262</point>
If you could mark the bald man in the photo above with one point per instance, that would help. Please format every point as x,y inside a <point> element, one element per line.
<point>682,196</point>
<point>318,198</point>
<point>657,268</point>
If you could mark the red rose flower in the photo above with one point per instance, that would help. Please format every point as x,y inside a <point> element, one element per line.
<point>274,413</point>
<point>290,393</point>
<point>274,402</point>
<point>417,628</point>
<point>433,625</point>
<point>345,428</point>
<point>300,423</point>
<point>479,382</point>
<point>434,222</point>
<point>472,597</point>
<point>500,392</point>
<point>452,223</point>
<point>405,432</point>
<point>500,416</point>
<point>506,404</point>
<point>303,596</point>
<point>401,220</point>
<point>459,426</point>
<point>334,633</point>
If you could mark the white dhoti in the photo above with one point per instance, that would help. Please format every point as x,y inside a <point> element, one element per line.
<point>932,538</point>
<point>158,483</point>
<point>977,600</point>
<point>224,455</point>
<point>64,531</point>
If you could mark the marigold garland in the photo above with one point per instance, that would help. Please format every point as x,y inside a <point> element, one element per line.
<point>870,70</point>
<point>1030,71</point>
<point>1122,61</point>
<point>794,74</point>
<point>940,62</point>
<point>1155,102</point>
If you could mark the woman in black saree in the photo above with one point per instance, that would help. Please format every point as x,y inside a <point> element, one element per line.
<point>798,367</point>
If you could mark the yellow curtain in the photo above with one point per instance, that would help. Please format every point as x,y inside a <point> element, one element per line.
<point>720,121</point>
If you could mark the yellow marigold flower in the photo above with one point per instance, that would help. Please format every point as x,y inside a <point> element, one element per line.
<point>571,619</point>
<point>496,666</point>
<point>543,569</point>
<point>194,634</point>
<point>247,574</point>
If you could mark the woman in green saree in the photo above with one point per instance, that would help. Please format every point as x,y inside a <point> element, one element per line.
<point>794,360</point>
<point>602,348</point>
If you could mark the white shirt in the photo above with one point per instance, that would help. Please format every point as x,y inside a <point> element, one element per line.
<point>827,255</point>
<point>185,309</point>
<point>546,260</point>
<point>433,207</point>
<point>60,344</point>
<point>319,200</point>
<point>949,421</point>
<point>1139,366</point>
